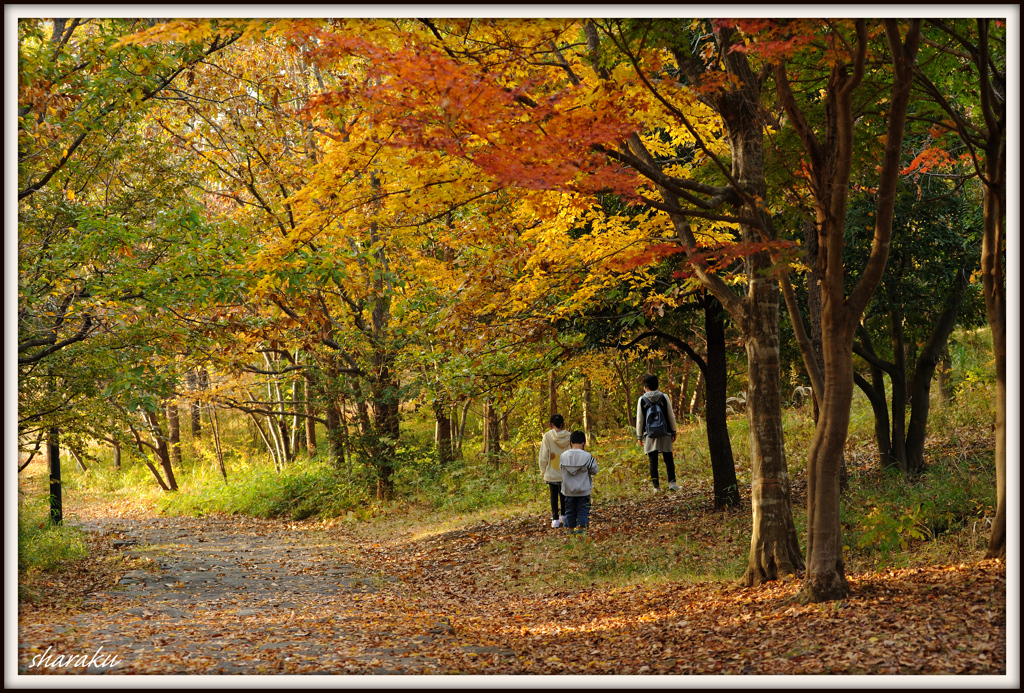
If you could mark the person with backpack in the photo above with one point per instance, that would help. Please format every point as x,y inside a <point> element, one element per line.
<point>578,469</point>
<point>553,444</point>
<point>656,430</point>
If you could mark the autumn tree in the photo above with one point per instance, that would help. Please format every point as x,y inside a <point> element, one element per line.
<point>965,80</point>
<point>827,140</point>
<point>921,298</point>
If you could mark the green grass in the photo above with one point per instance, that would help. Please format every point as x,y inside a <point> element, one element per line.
<point>41,544</point>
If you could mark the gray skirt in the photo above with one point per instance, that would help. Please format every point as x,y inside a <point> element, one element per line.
<point>662,444</point>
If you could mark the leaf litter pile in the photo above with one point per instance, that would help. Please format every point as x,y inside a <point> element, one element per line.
<point>235,595</point>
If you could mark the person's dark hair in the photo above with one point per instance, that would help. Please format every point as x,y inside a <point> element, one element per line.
<point>577,438</point>
<point>651,382</point>
<point>557,420</point>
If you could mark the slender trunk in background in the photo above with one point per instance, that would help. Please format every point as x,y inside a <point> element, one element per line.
<point>552,394</point>
<point>162,452</point>
<point>680,405</point>
<point>698,395</point>
<point>333,433</point>
<point>116,445</point>
<point>944,373</point>
<point>78,460</point>
<point>215,428</point>
<point>298,427</point>
<point>674,384</point>
<point>924,369</point>
<point>310,413</point>
<point>588,415</point>
<point>899,391</point>
<point>442,431</point>
<point>266,440</point>
<point>192,380</point>
<point>462,423</point>
<point>503,425</point>
<point>174,432</point>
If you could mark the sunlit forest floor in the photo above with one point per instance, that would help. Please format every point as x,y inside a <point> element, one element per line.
<point>463,573</point>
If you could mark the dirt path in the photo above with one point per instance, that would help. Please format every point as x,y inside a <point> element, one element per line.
<point>233,595</point>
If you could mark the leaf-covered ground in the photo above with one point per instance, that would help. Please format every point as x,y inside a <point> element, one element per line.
<point>226,594</point>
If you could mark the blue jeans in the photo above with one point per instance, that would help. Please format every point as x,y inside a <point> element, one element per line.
<point>577,511</point>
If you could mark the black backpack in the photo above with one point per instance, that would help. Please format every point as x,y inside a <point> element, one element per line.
<point>655,421</point>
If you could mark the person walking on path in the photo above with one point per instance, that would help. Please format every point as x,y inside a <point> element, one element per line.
<point>578,469</point>
<point>656,430</point>
<point>553,444</point>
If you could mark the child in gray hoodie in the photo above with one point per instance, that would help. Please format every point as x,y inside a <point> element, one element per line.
<point>578,469</point>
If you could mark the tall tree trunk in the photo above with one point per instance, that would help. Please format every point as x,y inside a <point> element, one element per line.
<point>588,413</point>
<point>192,379</point>
<point>503,424</point>
<point>774,547</point>
<point>924,369</point>
<point>899,391</point>
<point>491,432</point>
<point>56,493</point>
<point>116,444</point>
<point>875,392</point>
<point>814,318</point>
<point>334,433</point>
<point>174,432</point>
<point>485,428</point>
<point>826,569</point>
<point>993,280</point>
<point>831,162</point>
<point>386,418</point>
<point>443,431</point>
<point>723,466</point>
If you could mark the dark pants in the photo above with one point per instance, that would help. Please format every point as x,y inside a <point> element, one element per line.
<point>556,496</point>
<point>670,467</point>
<point>577,511</point>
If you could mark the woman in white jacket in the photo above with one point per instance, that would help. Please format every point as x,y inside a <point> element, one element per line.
<point>552,445</point>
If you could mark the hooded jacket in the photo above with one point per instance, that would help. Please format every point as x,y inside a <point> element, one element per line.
<point>664,443</point>
<point>553,444</point>
<point>578,469</point>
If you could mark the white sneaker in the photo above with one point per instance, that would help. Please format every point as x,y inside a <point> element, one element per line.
<point>657,489</point>
<point>673,486</point>
<point>555,524</point>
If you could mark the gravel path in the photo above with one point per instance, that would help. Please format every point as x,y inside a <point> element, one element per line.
<point>232,596</point>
